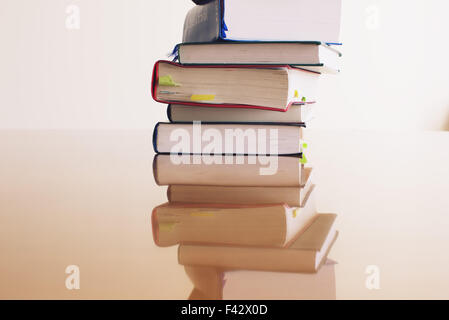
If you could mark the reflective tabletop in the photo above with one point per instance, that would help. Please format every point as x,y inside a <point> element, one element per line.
<point>84,199</point>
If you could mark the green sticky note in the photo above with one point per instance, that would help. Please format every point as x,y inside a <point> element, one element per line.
<point>303,160</point>
<point>303,99</point>
<point>167,81</point>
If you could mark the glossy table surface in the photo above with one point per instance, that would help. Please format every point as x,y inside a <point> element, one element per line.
<point>84,198</point>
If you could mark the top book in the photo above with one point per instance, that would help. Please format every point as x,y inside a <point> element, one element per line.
<point>249,20</point>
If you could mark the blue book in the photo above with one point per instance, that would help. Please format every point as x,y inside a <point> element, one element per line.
<point>253,20</point>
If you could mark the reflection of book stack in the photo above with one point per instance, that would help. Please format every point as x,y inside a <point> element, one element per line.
<point>213,284</point>
<point>293,264</point>
<point>240,194</point>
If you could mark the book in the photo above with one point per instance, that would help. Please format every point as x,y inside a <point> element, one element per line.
<point>306,254</point>
<point>291,196</point>
<point>216,284</point>
<point>228,138</point>
<point>266,171</point>
<point>297,113</point>
<point>274,225</point>
<point>281,20</point>
<point>270,87</point>
<point>315,56</point>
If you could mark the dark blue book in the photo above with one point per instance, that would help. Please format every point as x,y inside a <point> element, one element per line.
<point>254,20</point>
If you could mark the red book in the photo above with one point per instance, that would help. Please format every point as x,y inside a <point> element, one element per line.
<point>270,87</point>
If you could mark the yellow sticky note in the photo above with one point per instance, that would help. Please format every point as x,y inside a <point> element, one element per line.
<point>295,213</point>
<point>296,94</point>
<point>202,97</point>
<point>167,81</point>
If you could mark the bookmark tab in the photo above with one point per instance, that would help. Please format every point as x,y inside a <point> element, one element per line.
<point>167,226</point>
<point>202,97</point>
<point>295,213</point>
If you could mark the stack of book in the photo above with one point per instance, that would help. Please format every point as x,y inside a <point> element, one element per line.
<point>241,197</point>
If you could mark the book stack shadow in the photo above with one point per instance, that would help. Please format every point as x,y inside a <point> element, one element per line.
<point>241,92</point>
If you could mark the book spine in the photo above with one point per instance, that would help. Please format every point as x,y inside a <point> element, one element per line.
<point>203,23</point>
<point>169,113</point>
<point>155,131</point>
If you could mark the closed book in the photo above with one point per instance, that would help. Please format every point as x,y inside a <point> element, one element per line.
<point>273,225</point>
<point>297,113</point>
<point>216,284</point>
<point>316,56</point>
<point>292,196</point>
<point>305,254</point>
<point>270,87</point>
<point>281,20</point>
<point>228,138</point>
<point>243,171</point>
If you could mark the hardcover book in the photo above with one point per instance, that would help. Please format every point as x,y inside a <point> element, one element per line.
<point>228,138</point>
<point>248,20</point>
<point>306,254</point>
<point>265,171</point>
<point>271,87</point>
<point>297,113</point>
<point>273,225</point>
<point>315,56</point>
<point>292,196</point>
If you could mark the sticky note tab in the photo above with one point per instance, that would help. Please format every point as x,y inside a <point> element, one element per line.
<point>296,94</point>
<point>303,99</point>
<point>295,213</point>
<point>167,226</point>
<point>167,81</point>
<point>303,159</point>
<point>202,97</point>
<point>202,214</point>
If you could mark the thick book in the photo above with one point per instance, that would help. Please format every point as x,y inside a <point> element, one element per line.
<point>249,20</point>
<point>211,283</point>
<point>297,113</point>
<point>228,138</point>
<point>270,87</point>
<point>291,196</point>
<point>273,225</point>
<point>306,254</point>
<point>262,171</point>
<point>315,56</point>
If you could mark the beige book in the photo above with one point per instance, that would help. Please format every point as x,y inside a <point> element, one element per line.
<point>267,87</point>
<point>315,56</point>
<point>263,225</point>
<point>295,114</point>
<point>216,284</point>
<point>267,171</point>
<point>229,138</point>
<point>292,196</point>
<point>305,254</point>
